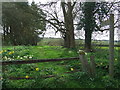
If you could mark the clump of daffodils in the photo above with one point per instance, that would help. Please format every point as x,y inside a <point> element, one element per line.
<point>1,52</point>
<point>11,52</point>
<point>4,50</point>
<point>71,69</point>
<point>37,69</point>
<point>26,76</point>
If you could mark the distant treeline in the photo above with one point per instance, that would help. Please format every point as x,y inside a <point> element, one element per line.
<point>79,42</point>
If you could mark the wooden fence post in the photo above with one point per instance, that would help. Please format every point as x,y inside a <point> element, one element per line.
<point>84,62</point>
<point>111,46</point>
<point>1,42</point>
<point>82,59</point>
<point>92,65</point>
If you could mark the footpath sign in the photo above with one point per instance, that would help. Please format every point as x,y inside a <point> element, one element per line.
<point>105,23</point>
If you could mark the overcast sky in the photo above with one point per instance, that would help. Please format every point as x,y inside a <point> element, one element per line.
<point>44,1</point>
<point>78,34</point>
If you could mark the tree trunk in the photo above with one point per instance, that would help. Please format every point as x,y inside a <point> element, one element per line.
<point>87,40</point>
<point>3,33</point>
<point>69,39</point>
<point>89,24</point>
<point>12,35</point>
<point>71,32</point>
<point>66,41</point>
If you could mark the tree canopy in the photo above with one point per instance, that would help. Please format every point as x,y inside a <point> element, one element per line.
<point>22,23</point>
<point>92,14</point>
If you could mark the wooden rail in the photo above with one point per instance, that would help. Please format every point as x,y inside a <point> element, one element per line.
<point>36,61</point>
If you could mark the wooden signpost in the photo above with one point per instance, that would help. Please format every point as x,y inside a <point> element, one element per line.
<point>105,23</point>
<point>111,46</point>
<point>0,40</point>
<point>110,22</point>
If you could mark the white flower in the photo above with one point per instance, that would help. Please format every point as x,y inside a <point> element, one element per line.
<point>30,57</point>
<point>85,53</point>
<point>70,52</point>
<point>25,56</point>
<point>5,57</point>
<point>9,59</point>
<point>79,51</point>
<point>21,58</point>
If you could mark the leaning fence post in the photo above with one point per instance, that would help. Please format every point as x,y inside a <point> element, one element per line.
<point>84,62</point>
<point>92,65</point>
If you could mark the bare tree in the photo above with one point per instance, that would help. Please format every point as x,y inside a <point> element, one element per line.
<point>62,19</point>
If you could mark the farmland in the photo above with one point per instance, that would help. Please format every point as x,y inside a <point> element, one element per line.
<point>59,42</point>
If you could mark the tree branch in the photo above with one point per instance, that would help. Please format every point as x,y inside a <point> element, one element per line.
<point>63,8</point>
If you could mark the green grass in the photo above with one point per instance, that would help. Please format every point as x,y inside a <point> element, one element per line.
<point>60,70</point>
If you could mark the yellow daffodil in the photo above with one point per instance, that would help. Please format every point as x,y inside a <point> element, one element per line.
<point>37,69</point>
<point>116,59</point>
<point>5,50</point>
<point>11,52</point>
<point>71,69</point>
<point>26,76</point>
<point>1,52</point>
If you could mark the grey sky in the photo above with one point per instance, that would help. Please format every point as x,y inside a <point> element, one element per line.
<point>78,34</point>
<point>44,1</point>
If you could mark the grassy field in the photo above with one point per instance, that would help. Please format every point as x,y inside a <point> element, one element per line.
<point>65,74</point>
<point>59,42</point>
